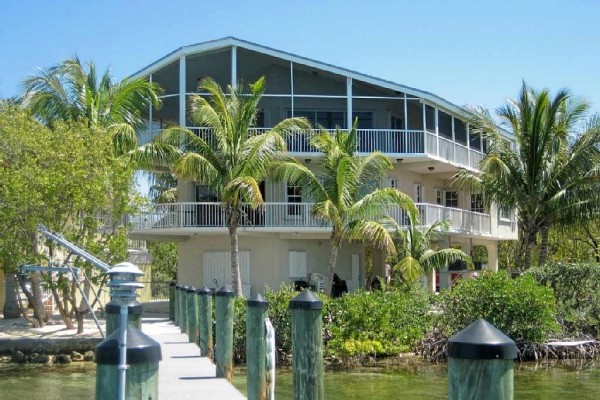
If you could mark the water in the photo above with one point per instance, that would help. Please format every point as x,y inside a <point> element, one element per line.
<point>411,381</point>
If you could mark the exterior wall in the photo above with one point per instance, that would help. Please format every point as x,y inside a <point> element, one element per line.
<point>269,258</point>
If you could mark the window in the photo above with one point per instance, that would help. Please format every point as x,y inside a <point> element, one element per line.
<point>334,119</point>
<point>294,197</point>
<point>205,193</point>
<point>477,202</point>
<point>393,183</point>
<point>451,198</point>
<point>439,196</point>
<point>505,215</point>
<point>418,193</point>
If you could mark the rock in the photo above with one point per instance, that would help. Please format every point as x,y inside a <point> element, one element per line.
<point>88,356</point>
<point>33,357</point>
<point>18,357</point>
<point>44,359</point>
<point>75,356</point>
<point>62,359</point>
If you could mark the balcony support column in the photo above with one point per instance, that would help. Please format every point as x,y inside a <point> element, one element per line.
<point>349,102</point>
<point>150,108</point>
<point>437,132</point>
<point>492,250</point>
<point>182,91</point>
<point>292,87</point>
<point>234,66</point>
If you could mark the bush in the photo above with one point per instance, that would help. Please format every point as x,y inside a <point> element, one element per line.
<point>577,291</point>
<point>381,322</point>
<point>521,308</point>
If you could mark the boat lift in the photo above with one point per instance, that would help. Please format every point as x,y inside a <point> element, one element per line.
<point>60,240</point>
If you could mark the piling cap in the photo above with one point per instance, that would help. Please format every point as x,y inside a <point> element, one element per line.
<point>133,308</point>
<point>191,289</point>
<point>257,301</point>
<point>306,300</point>
<point>141,349</point>
<point>225,290</point>
<point>203,291</point>
<point>177,286</point>
<point>481,341</point>
<point>172,284</point>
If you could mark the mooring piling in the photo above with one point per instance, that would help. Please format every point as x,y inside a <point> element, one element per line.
<point>256,313</point>
<point>205,331</point>
<point>225,298</point>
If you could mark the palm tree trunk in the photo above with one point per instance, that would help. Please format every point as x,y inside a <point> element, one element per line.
<point>545,230</point>
<point>331,267</point>
<point>235,254</point>
<point>431,284</point>
<point>11,304</point>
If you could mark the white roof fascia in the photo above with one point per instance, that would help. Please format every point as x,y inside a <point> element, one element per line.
<point>428,98</point>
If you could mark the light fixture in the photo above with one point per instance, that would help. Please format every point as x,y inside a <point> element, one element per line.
<point>307,160</point>
<point>399,160</point>
<point>430,168</point>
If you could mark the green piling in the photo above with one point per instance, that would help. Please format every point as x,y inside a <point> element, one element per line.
<point>177,291</point>
<point>307,347</point>
<point>183,310</point>
<point>113,315</point>
<point>225,297</point>
<point>172,301</point>
<point>256,348</point>
<point>141,379</point>
<point>192,317</point>
<point>481,363</point>
<point>205,312</point>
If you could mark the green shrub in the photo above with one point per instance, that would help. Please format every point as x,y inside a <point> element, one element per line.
<point>521,308</point>
<point>387,322</point>
<point>577,291</point>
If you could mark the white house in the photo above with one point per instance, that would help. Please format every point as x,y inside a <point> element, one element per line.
<point>426,137</point>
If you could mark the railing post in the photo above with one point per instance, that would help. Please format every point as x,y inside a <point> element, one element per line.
<point>256,347</point>
<point>224,327</point>
<point>172,301</point>
<point>177,294</point>
<point>205,334</point>
<point>192,317</point>
<point>481,363</point>
<point>307,347</point>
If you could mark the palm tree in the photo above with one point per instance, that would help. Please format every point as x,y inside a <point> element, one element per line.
<point>232,160</point>
<point>71,91</point>
<point>414,249</point>
<point>549,177</point>
<point>344,192</point>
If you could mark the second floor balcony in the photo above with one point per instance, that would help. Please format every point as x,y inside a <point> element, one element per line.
<point>190,218</point>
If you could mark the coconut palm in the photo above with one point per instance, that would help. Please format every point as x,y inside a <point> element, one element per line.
<point>415,255</point>
<point>232,160</point>
<point>344,192</point>
<point>549,176</point>
<point>73,91</point>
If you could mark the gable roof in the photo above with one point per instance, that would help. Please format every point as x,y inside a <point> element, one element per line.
<point>232,41</point>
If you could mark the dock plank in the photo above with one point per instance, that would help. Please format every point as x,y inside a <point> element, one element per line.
<point>183,374</point>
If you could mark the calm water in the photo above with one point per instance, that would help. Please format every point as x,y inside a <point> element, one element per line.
<point>408,382</point>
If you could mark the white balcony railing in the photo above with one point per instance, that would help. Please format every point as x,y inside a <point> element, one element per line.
<point>389,141</point>
<point>292,215</point>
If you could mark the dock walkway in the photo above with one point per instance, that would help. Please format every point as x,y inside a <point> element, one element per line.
<point>183,374</point>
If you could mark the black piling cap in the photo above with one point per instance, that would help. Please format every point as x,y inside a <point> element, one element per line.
<point>203,291</point>
<point>191,289</point>
<point>225,290</point>
<point>481,341</point>
<point>141,349</point>
<point>257,301</point>
<point>134,308</point>
<point>172,284</point>
<point>306,300</point>
<point>177,286</point>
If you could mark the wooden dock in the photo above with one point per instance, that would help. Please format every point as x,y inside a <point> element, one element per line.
<point>183,374</point>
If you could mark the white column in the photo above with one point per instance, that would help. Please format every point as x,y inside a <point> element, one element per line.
<point>234,66</point>
<point>349,102</point>
<point>468,144</point>
<point>437,132</point>
<point>405,112</point>
<point>424,118</point>
<point>182,91</point>
<point>150,106</point>
<point>292,86</point>
<point>492,250</point>
<point>453,140</point>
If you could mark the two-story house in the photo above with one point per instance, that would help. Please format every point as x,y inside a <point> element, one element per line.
<point>426,137</point>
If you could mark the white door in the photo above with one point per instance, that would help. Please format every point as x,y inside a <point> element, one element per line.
<point>217,268</point>
<point>297,264</point>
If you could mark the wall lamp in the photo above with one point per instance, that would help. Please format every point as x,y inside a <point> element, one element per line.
<point>430,168</point>
<point>307,160</point>
<point>399,160</point>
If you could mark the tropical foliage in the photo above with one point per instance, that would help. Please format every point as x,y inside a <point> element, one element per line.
<point>72,91</point>
<point>230,158</point>
<point>549,177</point>
<point>344,192</point>
<point>415,253</point>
